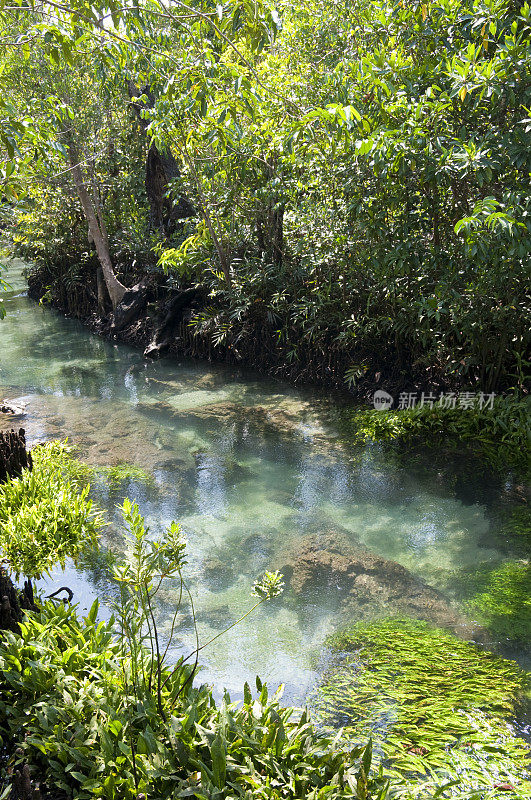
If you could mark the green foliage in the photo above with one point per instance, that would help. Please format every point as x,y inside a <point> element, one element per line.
<point>63,686</point>
<point>436,707</point>
<point>502,434</point>
<point>147,565</point>
<point>499,598</point>
<point>45,514</point>
<point>95,712</point>
<point>361,178</point>
<point>69,709</point>
<point>270,585</point>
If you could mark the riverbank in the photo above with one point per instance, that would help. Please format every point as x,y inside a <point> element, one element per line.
<point>162,320</point>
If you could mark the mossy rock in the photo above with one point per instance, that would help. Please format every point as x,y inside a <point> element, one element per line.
<point>438,708</point>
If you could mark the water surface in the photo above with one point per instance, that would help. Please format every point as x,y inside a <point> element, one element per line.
<point>250,468</point>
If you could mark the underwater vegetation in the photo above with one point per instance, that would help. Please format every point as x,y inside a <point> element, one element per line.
<point>438,708</point>
<point>499,598</point>
<point>516,528</point>
<point>118,474</point>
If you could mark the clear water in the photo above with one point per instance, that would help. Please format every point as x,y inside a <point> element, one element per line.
<point>249,467</point>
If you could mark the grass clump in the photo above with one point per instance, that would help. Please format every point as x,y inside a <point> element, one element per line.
<point>502,434</point>
<point>436,706</point>
<point>45,514</point>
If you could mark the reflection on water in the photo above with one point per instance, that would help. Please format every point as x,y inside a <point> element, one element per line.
<point>250,468</point>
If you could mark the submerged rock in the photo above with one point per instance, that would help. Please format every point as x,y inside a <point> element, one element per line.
<point>218,574</point>
<point>12,408</point>
<point>364,584</point>
<point>218,618</point>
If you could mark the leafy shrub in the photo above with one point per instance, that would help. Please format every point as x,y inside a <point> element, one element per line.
<point>45,514</point>
<point>435,705</point>
<point>68,709</point>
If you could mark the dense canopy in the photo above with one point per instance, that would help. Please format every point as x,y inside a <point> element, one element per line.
<point>350,181</point>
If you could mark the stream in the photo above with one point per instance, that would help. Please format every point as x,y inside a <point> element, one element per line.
<point>259,476</point>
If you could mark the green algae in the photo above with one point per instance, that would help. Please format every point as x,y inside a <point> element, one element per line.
<point>438,708</point>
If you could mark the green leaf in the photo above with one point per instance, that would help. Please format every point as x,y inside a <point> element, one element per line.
<point>219,761</point>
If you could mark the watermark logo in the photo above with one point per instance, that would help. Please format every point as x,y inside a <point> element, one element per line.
<point>382,401</point>
<point>479,400</point>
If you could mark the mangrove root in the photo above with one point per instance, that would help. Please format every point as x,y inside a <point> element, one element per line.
<point>14,602</point>
<point>13,455</point>
<point>165,333</point>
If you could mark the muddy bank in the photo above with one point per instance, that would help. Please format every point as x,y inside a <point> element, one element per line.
<point>156,317</point>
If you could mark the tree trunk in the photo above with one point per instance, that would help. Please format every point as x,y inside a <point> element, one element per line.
<point>270,232</point>
<point>161,168</point>
<point>270,223</point>
<point>101,290</point>
<point>96,226</point>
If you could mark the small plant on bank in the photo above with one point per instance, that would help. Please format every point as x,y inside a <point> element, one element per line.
<point>45,514</point>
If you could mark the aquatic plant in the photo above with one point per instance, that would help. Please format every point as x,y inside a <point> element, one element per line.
<point>147,564</point>
<point>45,514</point>
<point>123,471</point>
<point>501,434</point>
<point>436,706</point>
<point>113,476</point>
<point>516,527</point>
<point>499,598</point>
